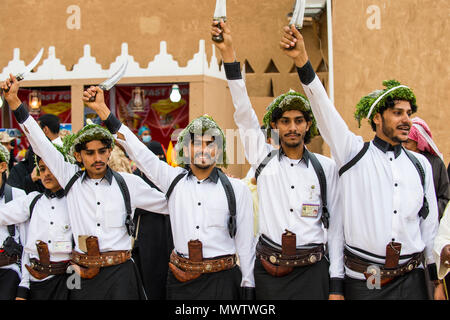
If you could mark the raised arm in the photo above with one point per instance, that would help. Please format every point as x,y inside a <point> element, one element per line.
<point>253,139</point>
<point>335,236</point>
<point>159,172</point>
<point>42,146</point>
<point>343,143</point>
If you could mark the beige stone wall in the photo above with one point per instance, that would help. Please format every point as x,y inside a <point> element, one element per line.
<point>411,46</point>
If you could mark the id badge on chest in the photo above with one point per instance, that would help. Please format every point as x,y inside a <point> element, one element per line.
<point>310,210</point>
<point>62,246</point>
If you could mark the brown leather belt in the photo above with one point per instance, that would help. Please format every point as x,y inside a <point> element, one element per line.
<point>6,260</point>
<point>357,264</point>
<point>302,257</point>
<point>105,259</point>
<point>204,266</point>
<point>44,270</point>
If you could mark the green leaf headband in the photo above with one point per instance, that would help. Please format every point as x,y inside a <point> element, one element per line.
<point>290,101</point>
<point>4,154</point>
<point>199,126</point>
<point>371,104</point>
<point>62,149</point>
<point>89,133</point>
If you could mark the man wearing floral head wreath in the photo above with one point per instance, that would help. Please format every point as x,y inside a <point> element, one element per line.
<point>48,240</point>
<point>297,193</point>
<point>101,204</point>
<point>211,215</point>
<point>389,211</point>
<point>11,236</point>
<point>420,140</point>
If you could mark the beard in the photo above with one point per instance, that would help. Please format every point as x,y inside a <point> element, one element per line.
<point>390,132</point>
<point>206,164</point>
<point>292,144</point>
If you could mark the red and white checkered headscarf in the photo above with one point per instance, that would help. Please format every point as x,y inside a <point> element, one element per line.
<point>421,133</point>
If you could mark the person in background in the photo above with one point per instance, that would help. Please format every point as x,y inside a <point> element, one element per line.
<point>441,251</point>
<point>24,174</point>
<point>50,125</point>
<point>9,143</point>
<point>11,236</point>
<point>420,140</point>
<point>154,241</point>
<point>119,161</point>
<point>144,134</point>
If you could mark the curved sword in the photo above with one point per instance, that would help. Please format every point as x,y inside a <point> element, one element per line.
<point>220,13</point>
<point>109,83</point>
<point>20,76</point>
<point>299,14</point>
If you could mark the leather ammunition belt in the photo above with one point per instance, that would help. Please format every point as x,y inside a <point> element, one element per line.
<point>105,259</point>
<point>6,260</point>
<point>205,266</point>
<point>360,265</point>
<point>53,268</point>
<point>302,257</point>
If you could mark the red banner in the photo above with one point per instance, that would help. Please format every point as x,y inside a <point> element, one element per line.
<point>57,102</point>
<point>150,105</point>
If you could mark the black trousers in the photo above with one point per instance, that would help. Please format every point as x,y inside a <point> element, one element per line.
<point>152,252</point>
<point>224,285</point>
<point>410,286</point>
<point>9,281</point>
<point>119,282</point>
<point>54,288</point>
<point>304,283</point>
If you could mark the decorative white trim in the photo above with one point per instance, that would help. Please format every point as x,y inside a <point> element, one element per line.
<point>87,67</point>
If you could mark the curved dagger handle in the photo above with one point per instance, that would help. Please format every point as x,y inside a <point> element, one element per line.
<point>219,38</point>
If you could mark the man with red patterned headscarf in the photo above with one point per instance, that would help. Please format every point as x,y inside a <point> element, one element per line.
<point>420,140</point>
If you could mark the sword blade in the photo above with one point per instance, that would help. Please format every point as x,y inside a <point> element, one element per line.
<point>109,83</point>
<point>221,9</point>
<point>299,13</point>
<point>34,62</point>
<point>31,65</point>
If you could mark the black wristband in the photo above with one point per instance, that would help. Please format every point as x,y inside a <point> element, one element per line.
<point>21,114</point>
<point>336,286</point>
<point>112,123</point>
<point>306,73</point>
<point>233,70</point>
<point>432,271</point>
<point>22,292</point>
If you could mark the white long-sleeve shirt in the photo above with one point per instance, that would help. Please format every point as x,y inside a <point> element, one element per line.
<point>96,206</point>
<point>198,208</point>
<point>381,195</point>
<point>20,229</point>
<point>49,223</point>
<point>442,239</point>
<point>286,185</point>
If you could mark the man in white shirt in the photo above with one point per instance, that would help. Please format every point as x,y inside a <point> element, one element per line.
<point>10,236</point>
<point>389,208</point>
<point>297,194</point>
<point>48,239</point>
<point>210,214</point>
<point>441,253</point>
<point>101,204</point>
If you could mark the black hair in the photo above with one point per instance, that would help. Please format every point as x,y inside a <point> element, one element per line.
<point>51,122</point>
<point>389,103</point>
<point>82,146</point>
<point>277,114</point>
